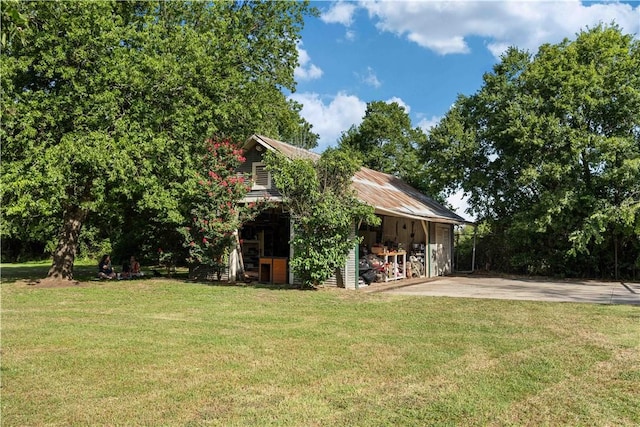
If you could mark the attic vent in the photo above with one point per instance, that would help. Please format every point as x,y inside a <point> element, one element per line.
<point>261,177</point>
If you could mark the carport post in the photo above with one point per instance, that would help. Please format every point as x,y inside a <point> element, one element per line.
<point>473,253</point>
<point>357,257</point>
<point>427,249</point>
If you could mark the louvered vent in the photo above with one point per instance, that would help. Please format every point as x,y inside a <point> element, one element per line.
<point>261,176</point>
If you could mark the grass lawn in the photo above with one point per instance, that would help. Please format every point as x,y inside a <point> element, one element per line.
<point>83,270</point>
<point>168,352</point>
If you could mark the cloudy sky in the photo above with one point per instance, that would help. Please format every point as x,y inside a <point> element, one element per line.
<point>422,54</point>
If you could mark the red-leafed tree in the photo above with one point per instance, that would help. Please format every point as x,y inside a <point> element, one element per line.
<point>218,210</point>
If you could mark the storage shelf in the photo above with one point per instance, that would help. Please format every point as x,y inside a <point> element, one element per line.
<point>393,267</point>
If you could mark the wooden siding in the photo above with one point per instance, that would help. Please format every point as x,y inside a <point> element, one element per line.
<point>254,156</point>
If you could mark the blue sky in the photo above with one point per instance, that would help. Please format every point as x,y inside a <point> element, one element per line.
<point>422,54</point>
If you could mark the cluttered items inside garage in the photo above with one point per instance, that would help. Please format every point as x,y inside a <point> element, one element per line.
<point>265,247</point>
<point>393,250</point>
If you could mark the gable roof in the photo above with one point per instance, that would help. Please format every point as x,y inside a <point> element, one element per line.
<point>388,194</point>
<point>288,150</point>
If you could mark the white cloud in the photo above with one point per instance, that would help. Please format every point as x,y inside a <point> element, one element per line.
<point>427,123</point>
<point>310,73</point>
<point>400,102</point>
<point>331,115</point>
<point>446,26</point>
<point>350,35</point>
<point>306,70</point>
<point>370,78</point>
<point>339,13</point>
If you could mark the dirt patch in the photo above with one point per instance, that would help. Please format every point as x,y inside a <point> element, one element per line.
<point>50,282</point>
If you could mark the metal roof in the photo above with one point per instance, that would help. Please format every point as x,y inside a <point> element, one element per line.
<point>288,150</point>
<point>388,194</point>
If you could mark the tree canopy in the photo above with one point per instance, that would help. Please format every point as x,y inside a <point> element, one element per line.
<point>106,104</point>
<point>549,152</point>
<point>387,143</point>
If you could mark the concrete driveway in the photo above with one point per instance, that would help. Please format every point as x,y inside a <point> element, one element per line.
<point>522,289</point>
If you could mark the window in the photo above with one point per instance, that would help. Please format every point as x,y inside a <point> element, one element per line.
<point>261,176</point>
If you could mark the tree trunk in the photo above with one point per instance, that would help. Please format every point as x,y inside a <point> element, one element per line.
<point>65,254</point>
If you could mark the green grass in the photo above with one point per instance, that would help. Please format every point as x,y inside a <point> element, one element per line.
<point>163,352</point>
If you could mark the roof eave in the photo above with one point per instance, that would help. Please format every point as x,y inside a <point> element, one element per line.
<point>432,218</point>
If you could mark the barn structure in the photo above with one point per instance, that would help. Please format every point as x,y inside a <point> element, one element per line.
<point>414,239</point>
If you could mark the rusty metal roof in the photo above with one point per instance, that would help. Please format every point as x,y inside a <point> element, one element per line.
<point>388,194</point>
<point>392,196</point>
<point>288,150</point>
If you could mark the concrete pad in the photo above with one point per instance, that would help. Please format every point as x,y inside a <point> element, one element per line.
<point>470,286</point>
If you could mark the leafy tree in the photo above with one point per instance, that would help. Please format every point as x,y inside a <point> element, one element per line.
<point>549,152</point>
<point>218,211</point>
<point>13,23</point>
<point>324,209</point>
<point>387,142</point>
<point>448,155</point>
<point>105,105</point>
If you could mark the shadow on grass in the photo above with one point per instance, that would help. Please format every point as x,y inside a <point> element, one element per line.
<point>11,273</point>
<point>252,284</point>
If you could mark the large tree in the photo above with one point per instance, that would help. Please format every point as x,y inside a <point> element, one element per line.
<point>549,152</point>
<point>105,105</point>
<point>386,142</point>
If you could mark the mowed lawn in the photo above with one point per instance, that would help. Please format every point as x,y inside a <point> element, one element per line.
<point>160,352</point>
